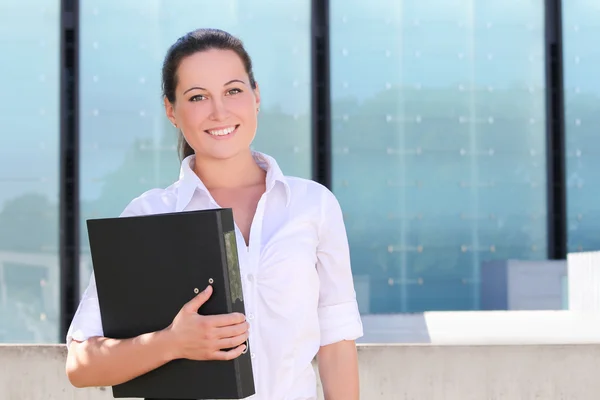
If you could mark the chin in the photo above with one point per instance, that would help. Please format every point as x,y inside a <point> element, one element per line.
<point>224,149</point>
<point>223,153</point>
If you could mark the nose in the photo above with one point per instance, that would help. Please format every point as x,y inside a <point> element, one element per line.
<point>218,111</point>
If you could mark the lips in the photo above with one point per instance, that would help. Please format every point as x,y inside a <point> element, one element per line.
<point>222,131</point>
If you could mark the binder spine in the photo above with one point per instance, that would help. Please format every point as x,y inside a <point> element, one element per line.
<point>226,276</point>
<point>232,278</point>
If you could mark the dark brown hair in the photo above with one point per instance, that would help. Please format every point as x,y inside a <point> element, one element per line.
<point>191,43</point>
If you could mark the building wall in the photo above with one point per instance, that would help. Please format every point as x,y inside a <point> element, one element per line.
<point>386,372</point>
<point>438,134</point>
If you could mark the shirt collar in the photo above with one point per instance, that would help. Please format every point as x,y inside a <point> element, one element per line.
<point>189,181</point>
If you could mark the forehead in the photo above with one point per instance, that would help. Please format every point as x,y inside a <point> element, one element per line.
<point>210,68</point>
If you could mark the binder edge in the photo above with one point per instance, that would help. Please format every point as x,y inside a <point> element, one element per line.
<point>226,276</point>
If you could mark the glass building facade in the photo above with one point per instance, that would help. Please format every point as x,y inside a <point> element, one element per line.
<point>127,145</point>
<point>29,170</point>
<point>438,134</point>
<point>582,118</point>
<point>438,144</point>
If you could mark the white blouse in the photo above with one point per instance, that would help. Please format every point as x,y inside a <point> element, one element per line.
<point>296,276</point>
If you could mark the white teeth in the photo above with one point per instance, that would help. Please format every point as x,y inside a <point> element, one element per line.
<point>222,132</point>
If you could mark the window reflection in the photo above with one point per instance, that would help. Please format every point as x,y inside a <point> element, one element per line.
<point>29,167</point>
<point>582,116</point>
<point>439,145</point>
<point>127,144</point>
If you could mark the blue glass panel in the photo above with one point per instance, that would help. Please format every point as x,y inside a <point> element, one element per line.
<point>127,143</point>
<point>29,171</point>
<point>439,144</point>
<point>581,30</point>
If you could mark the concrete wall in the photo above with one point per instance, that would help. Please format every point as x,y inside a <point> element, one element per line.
<point>523,285</point>
<point>584,281</point>
<point>484,327</point>
<point>407,372</point>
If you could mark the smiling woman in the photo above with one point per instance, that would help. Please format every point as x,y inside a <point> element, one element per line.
<point>294,258</point>
<point>199,98</point>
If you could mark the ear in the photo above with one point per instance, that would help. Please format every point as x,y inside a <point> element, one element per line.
<point>170,111</point>
<point>257,96</point>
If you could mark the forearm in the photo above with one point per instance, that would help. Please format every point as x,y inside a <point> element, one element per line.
<point>338,369</point>
<point>101,361</point>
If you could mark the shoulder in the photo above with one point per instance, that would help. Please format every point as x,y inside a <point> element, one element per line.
<point>153,201</point>
<point>317,203</point>
<point>303,186</point>
<point>308,191</point>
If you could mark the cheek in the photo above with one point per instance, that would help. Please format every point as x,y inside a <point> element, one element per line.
<point>192,113</point>
<point>247,108</point>
<point>245,100</point>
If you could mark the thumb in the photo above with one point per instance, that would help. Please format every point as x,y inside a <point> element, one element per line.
<point>194,304</point>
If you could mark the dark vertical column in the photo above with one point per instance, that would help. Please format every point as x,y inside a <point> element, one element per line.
<point>69,163</point>
<point>321,109</point>
<point>557,198</point>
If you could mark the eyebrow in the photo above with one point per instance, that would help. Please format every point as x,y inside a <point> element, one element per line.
<point>201,88</point>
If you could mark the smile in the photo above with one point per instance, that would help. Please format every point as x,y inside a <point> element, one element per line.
<point>222,131</point>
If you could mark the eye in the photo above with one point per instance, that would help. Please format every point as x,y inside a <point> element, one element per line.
<point>233,91</point>
<point>197,97</point>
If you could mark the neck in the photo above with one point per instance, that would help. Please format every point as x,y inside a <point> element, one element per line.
<point>236,172</point>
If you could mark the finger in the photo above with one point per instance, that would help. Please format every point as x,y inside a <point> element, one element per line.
<point>226,319</point>
<point>229,343</point>
<point>231,330</point>
<point>231,354</point>
<point>194,304</point>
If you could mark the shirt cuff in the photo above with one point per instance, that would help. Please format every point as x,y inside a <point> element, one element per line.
<point>340,322</point>
<point>77,335</point>
<point>80,336</point>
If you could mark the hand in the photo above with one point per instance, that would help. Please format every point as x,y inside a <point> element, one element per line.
<point>202,337</point>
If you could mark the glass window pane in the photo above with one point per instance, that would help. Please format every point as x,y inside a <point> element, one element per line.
<point>581,30</point>
<point>127,143</point>
<point>29,171</point>
<point>439,144</point>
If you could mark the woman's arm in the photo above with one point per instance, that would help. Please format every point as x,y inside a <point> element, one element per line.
<point>99,361</point>
<point>338,369</point>
<point>339,317</point>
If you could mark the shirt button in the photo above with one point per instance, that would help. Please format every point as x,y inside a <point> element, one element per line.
<point>250,316</point>
<point>252,355</point>
<point>251,277</point>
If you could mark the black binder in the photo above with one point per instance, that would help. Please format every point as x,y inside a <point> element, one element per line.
<point>146,269</point>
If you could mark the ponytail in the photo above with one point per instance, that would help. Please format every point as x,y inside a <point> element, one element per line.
<point>185,149</point>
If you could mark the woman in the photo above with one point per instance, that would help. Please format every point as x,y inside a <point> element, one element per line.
<point>294,259</point>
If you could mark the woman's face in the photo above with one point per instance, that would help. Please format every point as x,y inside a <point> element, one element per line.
<point>215,108</point>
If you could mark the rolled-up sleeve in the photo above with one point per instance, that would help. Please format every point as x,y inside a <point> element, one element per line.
<point>87,321</point>
<point>339,317</point>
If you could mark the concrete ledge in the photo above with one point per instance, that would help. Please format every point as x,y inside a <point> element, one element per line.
<point>584,281</point>
<point>484,327</point>
<point>407,372</point>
